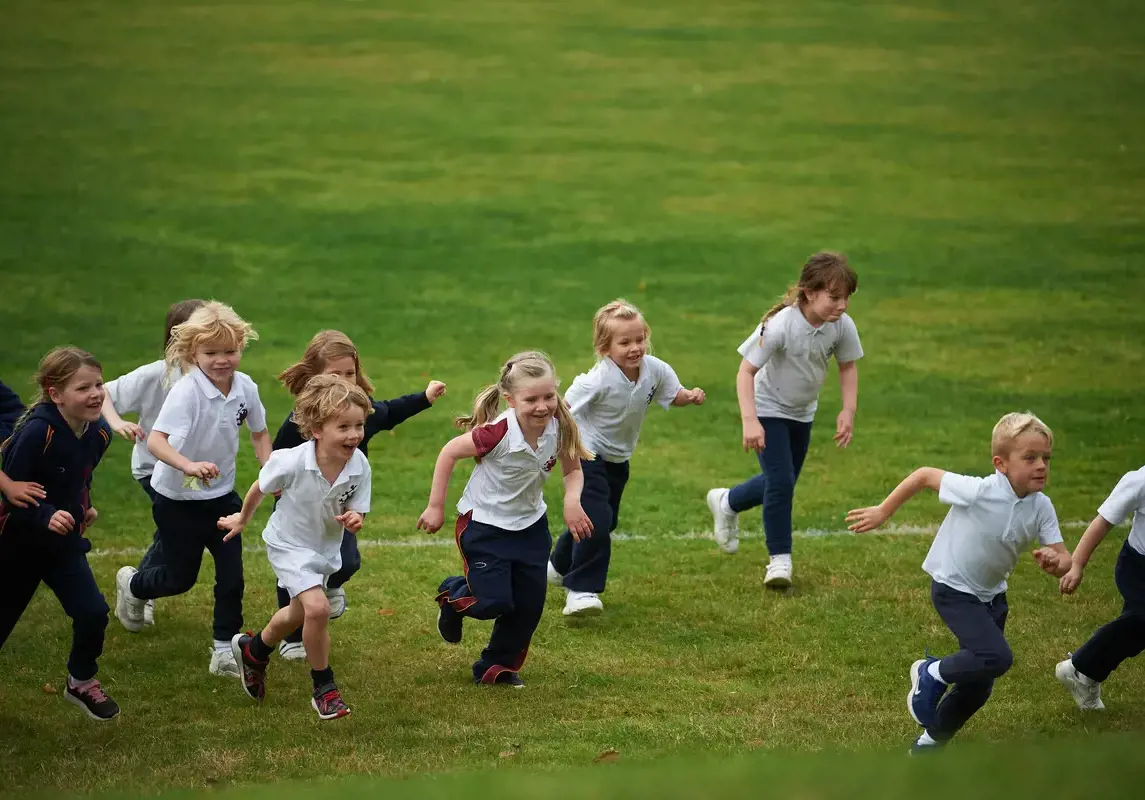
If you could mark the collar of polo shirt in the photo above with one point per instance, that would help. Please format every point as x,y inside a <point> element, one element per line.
<point>310,462</point>
<point>517,436</point>
<point>204,383</point>
<point>643,370</point>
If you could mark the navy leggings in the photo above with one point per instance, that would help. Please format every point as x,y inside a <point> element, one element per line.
<point>1124,637</point>
<point>785,448</point>
<point>584,564</point>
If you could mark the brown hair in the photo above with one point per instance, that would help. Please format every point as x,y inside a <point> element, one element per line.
<point>324,396</point>
<point>177,314</point>
<point>211,322</point>
<point>619,310</point>
<point>56,370</point>
<point>326,346</point>
<point>825,270</point>
<point>529,365</point>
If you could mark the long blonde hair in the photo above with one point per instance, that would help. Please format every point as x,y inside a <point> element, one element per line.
<point>603,322</point>
<point>211,322</point>
<point>825,270</point>
<point>326,346</point>
<point>56,368</point>
<point>530,365</point>
<point>323,397</point>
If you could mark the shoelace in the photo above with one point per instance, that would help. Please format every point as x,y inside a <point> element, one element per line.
<point>96,693</point>
<point>332,697</point>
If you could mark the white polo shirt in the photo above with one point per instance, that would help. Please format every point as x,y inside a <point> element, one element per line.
<point>986,530</point>
<point>304,515</point>
<point>792,356</point>
<point>142,392</point>
<point>203,425</point>
<point>505,489</point>
<point>609,408</point>
<point>1128,497</point>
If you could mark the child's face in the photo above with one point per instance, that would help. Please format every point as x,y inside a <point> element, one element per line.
<point>1028,463</point>
<point>81,398</point>
<point>343,432</point>
<point>827,304</point>
<point>629,343</point>
<point>218,360</point>
<point>343,367</point>
<point>534,401</point>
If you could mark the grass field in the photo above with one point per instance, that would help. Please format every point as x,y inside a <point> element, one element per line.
<point>449,182</point>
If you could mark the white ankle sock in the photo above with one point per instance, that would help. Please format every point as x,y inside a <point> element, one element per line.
<point>935,673</point>
<point>725,506</point>
<point>81,685</point>
<point>925,740</point>
<point>222,645</point>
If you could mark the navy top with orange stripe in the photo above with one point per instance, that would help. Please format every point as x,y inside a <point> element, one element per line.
<point>45,450</point>
<point>10,410</point>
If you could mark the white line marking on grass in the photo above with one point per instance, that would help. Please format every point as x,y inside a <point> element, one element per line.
<point>445,540</point>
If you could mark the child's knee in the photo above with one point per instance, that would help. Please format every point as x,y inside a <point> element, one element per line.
<point>999,661</point>
<point>315,606</point>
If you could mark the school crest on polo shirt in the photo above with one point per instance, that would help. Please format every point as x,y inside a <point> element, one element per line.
<point>242,415</point>
<point>651,394</point>
<point>342,498</point>
<point>552,462</point>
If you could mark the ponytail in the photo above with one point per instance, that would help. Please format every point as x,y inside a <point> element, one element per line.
<point>570,445</point>
<point>485,408</point>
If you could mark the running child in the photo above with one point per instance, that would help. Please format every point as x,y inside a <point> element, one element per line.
<point>325,489</point>
<point>1124,637</point>
<point>56,446</point>
<point>783,369</point>
<point>142,392</point>
<point>502,531</point>
<point>196,440</point>
<point>990,523</point>
<point>609,404</point>
<point>332,353</point>
<point>19,493</point>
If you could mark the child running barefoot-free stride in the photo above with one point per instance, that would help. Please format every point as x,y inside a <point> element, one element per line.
<point>142,392</point>
<point>20,494</point>
<point>56,446</point>
<point>325,486</point>
<point>502,531</point>
<point>783,369</point>
<point>609,404</point>
<point>196,440</point>
<point>332,353</point>
<point>990,523</point>
<point>1083,673</point>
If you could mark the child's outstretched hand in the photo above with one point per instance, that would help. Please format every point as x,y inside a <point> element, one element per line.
<point>89,517</point>
<point>1047,559</point>
<point>753,438</point>
<point>866,519</point>
<point>692,397</point>
<point>233,524</point>
<point>435,390</point>
<point>23,493</point>
<point>351,521</point>
<point>579,525</point>
<point>1071,580</point>
<point>431,519</point>
<point>129,431</point>
<point>61,522</point>
<point>844,427</point>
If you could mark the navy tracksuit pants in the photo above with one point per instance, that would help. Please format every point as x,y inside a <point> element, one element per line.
<point>584,564</point>
<point>351,563</point>
<point>1124,637</point>
<point>29,557</point>
<point>504,579</point>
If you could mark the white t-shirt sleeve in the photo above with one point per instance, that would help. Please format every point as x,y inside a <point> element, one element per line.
<point>758,349</point>
<point>178,413</point>
<point>959,490</point>
<point>1125,498</point>
<point>583,391</point>
<point>1048,530</point>
<point>849,348</point>
<point>668,385</point>
<point>277,473</point>
<point>256,414</point>
<point>360,500</point>
<point>127,391</point>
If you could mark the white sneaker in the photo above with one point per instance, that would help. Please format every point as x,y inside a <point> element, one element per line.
<point>552,576</point>
<point>149,612</point>
<point>223,664</point>
<point>292,651</point>
<point>1086,693</point>
<point>337,600</point>
<point>778,575</point>
<point>128,608</point>
<point>726,525</point>
<point>583,604</point>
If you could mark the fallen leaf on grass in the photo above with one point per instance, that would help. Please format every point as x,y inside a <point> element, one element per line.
<point>49,689</point>
<point>507,754</point>
<point>385,612</point>
<point>607,757</point>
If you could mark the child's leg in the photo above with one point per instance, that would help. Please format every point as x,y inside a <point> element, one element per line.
<point>584,564</point>
<point>315,627</point>
<point>152,554</point>
<point>175,568</point>
<point>283,602</point>
<point>485,590</point>
<point>351,561</point>
<point>748,495</point>
<point>229,586</point>
<point>562,555</point>
<point>1124,637</point>
<point>778,466</point>
<point>984,657</point>
<point>19,584</point>
<point>69,576</point>
<point>284,622</point>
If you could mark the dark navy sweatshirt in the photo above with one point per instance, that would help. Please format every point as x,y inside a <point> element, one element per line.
<point>10,410</point>
<point>46,451</point>
<point>388,414</point>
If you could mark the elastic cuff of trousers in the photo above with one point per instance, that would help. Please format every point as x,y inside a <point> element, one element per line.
<point>459,605</point>
<point>490,676</point>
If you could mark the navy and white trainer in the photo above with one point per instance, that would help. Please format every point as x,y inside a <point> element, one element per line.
<point>925,692</point>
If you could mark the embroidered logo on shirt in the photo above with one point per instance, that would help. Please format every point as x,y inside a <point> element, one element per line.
<point>242,415</point>
<point>342,498</point>
<point>652,394</point>
<point>552,462</point>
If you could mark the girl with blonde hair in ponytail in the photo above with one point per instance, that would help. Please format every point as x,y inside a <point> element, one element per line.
<point>502,531</point>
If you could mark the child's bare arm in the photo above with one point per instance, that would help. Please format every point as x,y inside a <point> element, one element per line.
<point>1054,559</point>
<point>458,448</point>
<point>1098,529</point>
<point>579,525</point>
<point>234,523</point>
<point>262,445</point>
<point>867,519</point>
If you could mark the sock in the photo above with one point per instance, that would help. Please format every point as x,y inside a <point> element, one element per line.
<point>259,649</point>
<point>80,685</point>
<point>785,559</point>
<point>925,740</point>
<point>935,673</point>
<point>321,677</point>
<point>221,645</point>
<point>725,506</point>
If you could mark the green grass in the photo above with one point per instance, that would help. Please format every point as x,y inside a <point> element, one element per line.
<point>449,182</point>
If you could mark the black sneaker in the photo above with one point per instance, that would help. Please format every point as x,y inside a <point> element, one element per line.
<point>449,623</point>
<point>93,700</point>
<point>506,678</point>
<point>328,702</point>
<point>253,678</point>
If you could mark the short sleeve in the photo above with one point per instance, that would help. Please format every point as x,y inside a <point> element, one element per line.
<point>488,437</point>
<point>758,348</point>
<point>256,414</point>
<point>848,348</point>
<point>177,415</point>
<point>959,490</point>
<point>276,474</point>
<point>360,498</point>
<point>668,385</point>
<point>1125,498</point>
<point>1048,530</point>
<point>128,391</point>
<point>583,391</point>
